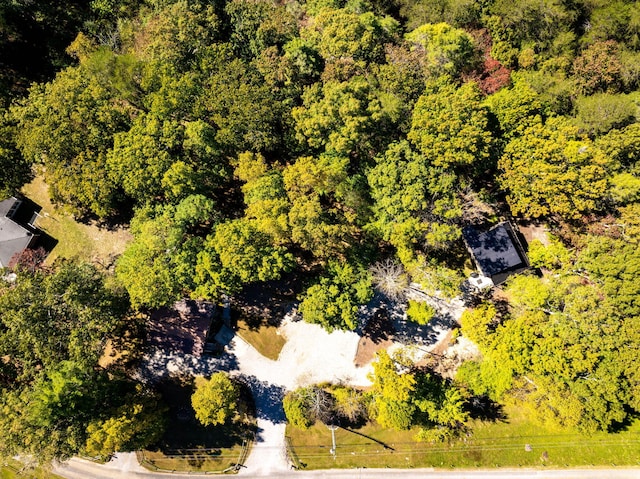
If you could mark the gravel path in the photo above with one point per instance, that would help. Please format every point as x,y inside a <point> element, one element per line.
<point>311,355</point>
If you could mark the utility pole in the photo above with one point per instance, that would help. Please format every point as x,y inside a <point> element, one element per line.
<point>332,451</point>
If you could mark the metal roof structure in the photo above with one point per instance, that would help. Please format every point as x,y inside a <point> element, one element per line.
<point>16,234</point>
<point>497,251</point>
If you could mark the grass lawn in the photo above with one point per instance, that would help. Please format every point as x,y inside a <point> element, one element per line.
<point>11,472</point>
<point>74,240</point>
<point>497,444</point>
<point>189,446</point>
<point>264,337</point>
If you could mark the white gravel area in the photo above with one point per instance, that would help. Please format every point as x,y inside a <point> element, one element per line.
<point>310,355</point>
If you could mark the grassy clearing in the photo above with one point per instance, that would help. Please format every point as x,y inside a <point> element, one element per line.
<point>74,240</point>
<point>212,460</point>
<point>264,337</point>
<point>12,468</point>
<point>189,446</point>
<point>493,444</point>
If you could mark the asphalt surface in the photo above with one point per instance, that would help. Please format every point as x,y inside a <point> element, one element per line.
<point>125,467</point>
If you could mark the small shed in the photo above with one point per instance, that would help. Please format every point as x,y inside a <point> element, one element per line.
<point>496,251</point>
<point>17,231</point>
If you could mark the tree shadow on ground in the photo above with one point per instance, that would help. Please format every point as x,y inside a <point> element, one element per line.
<point>485,409</point>
<point>182,328</point>
<point>384,445</point>
<point>379,328</point>
<point>184,433</point>
<point>268,399</point>
<point>408,332</point>
<point>159,365</point>
<point>268,302</point>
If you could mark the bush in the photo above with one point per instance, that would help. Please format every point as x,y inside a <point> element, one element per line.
<point>420,312</point>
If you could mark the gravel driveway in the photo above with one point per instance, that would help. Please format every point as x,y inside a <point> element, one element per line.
<point>311,355</point>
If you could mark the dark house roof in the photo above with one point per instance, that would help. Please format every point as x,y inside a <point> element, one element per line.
<point>17,232</point>
<point>497,252</point>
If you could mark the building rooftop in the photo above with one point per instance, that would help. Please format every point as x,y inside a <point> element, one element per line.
<point>497,252</point>
<point>15,235</point>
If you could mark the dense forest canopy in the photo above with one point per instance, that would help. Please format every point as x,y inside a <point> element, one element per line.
<point>246,139</point>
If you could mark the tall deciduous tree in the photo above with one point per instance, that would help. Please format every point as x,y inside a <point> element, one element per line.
<point>344,118</point>
<point>325,204</point>
<point>158,267</point>
<point>15,170</point>
<point>215,400</point>
<point>265,196</point>
<point>333,302</point>
<point>47,318</point>
<point>447,50</point>
<point>238,253</point>
<point>415,202</point>
<point>68,125</point>
<point>563,353</point>
<point>450,125</point>
<point>54,326</point>
<point>552,169</point>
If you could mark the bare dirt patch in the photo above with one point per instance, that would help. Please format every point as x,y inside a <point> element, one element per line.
<point>534,231</point>
<point>377,335</point>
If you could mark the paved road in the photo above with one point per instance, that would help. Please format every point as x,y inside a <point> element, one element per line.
<point>126,467</point>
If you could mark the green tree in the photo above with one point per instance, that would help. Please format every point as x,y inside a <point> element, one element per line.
<point>514,24</point>
<point>349,403</point>
<point>325,203</point>
<point>516,108</point>
<point>447,50</point>
<point>174,32</point>
<point>333,302</point>
<point>450,125</point>
<point>414,202</point>
<point>477,323</point>
<point>630,222</point>
<point>65,315</point>
<point>215,400</point>
<point>238,253</point>
<point>420,312</point>
<point>265,196</point>
<point>562,354</point>
<point>622,146</point>
<point>613,21</point>
<point>392,392</point>
<point>342,117</point>
<point>553,170</point>
<point>141,156</point>
<point>166,159</point>
<point>139,423</point>
<point>341,34</point>
<point>68,124</point>
<point>297,410</point>
<point>553,255</point>
<point>454,12</point>
<point>48,419</point>
<point>244,110</point>
<point>259,25</point>
<point>601,112</point>
<point>157,268</point>
<point>15,171</point>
